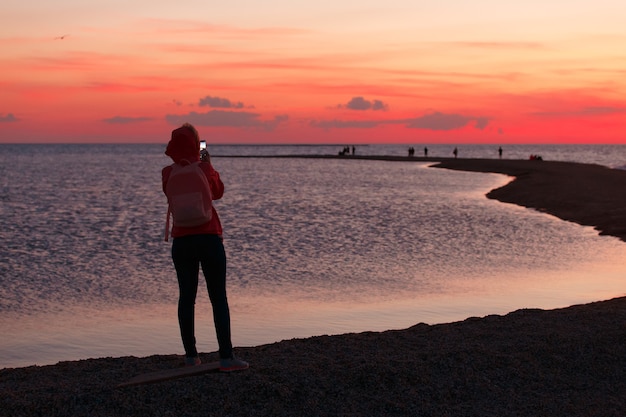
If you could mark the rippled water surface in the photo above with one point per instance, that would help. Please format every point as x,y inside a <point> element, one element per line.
<point>314,247</point>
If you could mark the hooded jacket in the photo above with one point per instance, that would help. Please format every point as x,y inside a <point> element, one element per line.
<point>184,148</point>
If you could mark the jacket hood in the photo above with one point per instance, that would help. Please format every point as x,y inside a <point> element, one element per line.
<point>184,145</point>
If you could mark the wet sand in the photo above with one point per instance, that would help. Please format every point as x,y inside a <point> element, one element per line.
<point>564,362</point>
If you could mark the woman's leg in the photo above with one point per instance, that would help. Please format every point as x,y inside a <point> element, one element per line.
<point>213,261</point>
<point>187,268</point>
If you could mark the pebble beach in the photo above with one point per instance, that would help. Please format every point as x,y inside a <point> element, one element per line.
<point>562,362</point>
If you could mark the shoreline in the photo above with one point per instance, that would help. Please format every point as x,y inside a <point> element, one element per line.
<point>570,191</point>
<point>530,362</point>
<point>586,194</point>
<point>569,361</point>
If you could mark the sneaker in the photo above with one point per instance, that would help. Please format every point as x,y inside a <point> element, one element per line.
<point>192,361</point>
<point>233,364</point>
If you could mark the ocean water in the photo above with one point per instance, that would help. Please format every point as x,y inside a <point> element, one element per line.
<point>613,156</point>
<point>314,247</point>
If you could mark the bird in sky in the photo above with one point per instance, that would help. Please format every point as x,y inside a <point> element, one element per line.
<point>61,37</point>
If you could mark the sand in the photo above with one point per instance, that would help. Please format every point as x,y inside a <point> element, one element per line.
<point>563,362</point>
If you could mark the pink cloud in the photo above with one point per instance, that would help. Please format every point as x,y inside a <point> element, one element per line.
<point>9,118</point>
<point>219,102</point>
<point>583,111</point>
<point>359,103</point>
<point>498,45</point>
<point>345,124</point>
<point>436,121</point>
<point>443,121</point>
<point>126,120</point>
<point>186,27</point>
<point>221,118</point>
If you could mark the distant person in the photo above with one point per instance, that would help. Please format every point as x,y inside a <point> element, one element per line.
<point>199,245</point>
<point>353,150</point>
<point>425,152</point>
<point>500,152</point>
<point>455,152</point>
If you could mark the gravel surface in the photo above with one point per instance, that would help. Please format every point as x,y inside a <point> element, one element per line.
<point>564,362</point>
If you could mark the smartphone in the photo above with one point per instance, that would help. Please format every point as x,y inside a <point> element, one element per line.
<point>203,145</point>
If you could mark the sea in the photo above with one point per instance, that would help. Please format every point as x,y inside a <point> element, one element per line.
<point>314,246</point>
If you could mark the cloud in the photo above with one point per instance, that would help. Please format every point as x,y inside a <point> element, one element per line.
<point>481,122</point>
<point>499,45</point>
<point>345,124</point>
<point>601,110</point>
<point>220,103</point>
<point>125,120</point>
<point>585,111</point>
<point>359,103</point>
<point>432,121</point>
<point>186,27</point>
<point>9,118</point>
<point>442,121</point>
<point>221,118</point>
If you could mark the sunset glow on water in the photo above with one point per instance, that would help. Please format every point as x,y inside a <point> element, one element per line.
<point>90,93</point>
<point>314,247</point>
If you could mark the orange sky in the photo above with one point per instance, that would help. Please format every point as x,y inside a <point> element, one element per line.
<point>331,72</point>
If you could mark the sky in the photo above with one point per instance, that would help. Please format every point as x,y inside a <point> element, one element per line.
<point>341,72</point>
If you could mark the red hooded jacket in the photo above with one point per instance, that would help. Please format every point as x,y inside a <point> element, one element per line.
<point>184,148</point>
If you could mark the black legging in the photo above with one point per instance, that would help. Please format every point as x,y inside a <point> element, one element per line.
<point>188,253</point>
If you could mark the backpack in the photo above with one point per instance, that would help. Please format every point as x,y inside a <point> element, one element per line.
<point>188,197</point>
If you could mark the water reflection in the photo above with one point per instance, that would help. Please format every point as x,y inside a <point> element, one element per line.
<point>315,247</point>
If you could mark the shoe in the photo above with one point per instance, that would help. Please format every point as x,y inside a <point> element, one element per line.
<point>192,361</point>
<point>233,364</point>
